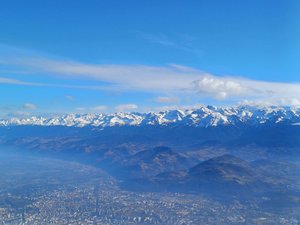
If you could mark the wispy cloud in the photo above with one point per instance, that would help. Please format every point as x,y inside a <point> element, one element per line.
<point>126,107</point>
<point>94,109</point>
<point>167,99</point>
<point>119,77</point>
<point>5,80</point>
<point>69,97</point>
<point>100,108</point>
<point>175,80</point>
<point>272,101</point>
<point>29,106</point>
<point>182,42</point>
<point>161,39</point>
<point>12,110</point>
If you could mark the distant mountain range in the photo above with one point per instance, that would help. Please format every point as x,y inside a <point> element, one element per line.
<point>241,151</point>
<point>202,117</point>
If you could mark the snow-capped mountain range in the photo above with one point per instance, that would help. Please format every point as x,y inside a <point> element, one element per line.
<point>200,117</point>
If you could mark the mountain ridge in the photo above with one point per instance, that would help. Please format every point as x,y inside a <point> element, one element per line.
<point>208,116</point>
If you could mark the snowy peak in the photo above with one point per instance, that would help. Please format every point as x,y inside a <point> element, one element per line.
<point>200,117</point>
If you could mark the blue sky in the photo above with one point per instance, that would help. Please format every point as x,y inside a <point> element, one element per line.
<point>92,56</point>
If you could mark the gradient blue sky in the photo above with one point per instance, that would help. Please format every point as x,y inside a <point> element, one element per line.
<point>134,55</point>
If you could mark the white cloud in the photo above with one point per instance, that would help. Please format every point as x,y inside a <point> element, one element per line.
<point>69,97</point>
<point>167,99</point>
<point>5,80</point>
<point>169,79</point>
<point>222,88</point>
<point>29,106</point>
<point>121,77</point>
<point>17,114</point>
<point>161,39</point>
<point>272,102</point>
<point>126,107</point>
<point>237,88</point>
<point>99,108</point>
<point>25,110</point>
<point>176,80</point>
<point>80,109</point>
<point>181,42</point>
<point>93,109</point>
